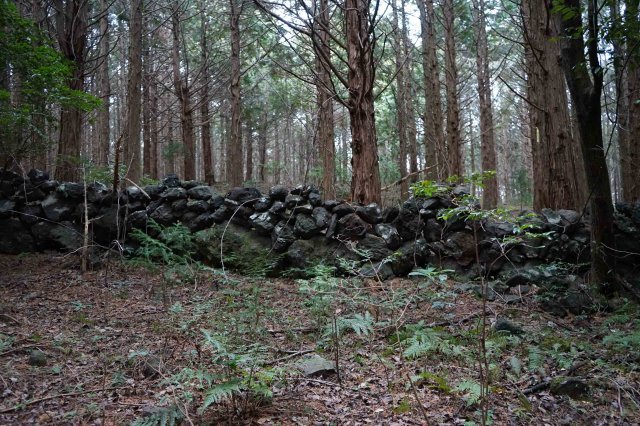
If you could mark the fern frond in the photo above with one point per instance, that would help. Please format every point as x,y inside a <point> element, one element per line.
<point>168,416</point>
<point>221,392</point>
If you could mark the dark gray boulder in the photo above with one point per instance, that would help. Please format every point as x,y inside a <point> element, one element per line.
<point>201,192</point>
<point>343,209</point>
<point>154,191</point>
<point>71,190</point>
<point>302,209</point>
<point>164,215</point>
<point>244,196</point>
<point>222,213</point>
<point>30,214</point>
<point>263,222</point>
<point>306,226</point>
<point>63,236</point>
<point>352,227</point>
<point>321,216</point>
<point>179,206</point>
<point>96,192</point>
<point>413,254</point>
<point>371,213</point>
<point>372,247</point>
<point>58,209</point>
<point>173,194</point>
<point>390,213</point>
<point>197,206</point>
<point>278,193</point>
<point>330,204</point>
<point>215,202</point>
<point>202,221</point>
<point>282,236</point>
<point>7,207</point>
<point>15,237</point>
<point>389,234</point>
<point>262,204</point>
<point>138,219</point>
<point>293,200</point>
<point>171,181</point>
<point>277,208</point>
<point>315,199</point>
<point>408,224</point>
<point>37,177</point>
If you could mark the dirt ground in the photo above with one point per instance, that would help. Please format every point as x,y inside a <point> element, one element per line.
<point>121,345</point>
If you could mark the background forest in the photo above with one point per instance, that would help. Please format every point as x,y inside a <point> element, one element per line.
<point>264,92</point>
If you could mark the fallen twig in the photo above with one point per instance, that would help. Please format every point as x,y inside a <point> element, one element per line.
<point>60,395</point>
<point>547,382</point>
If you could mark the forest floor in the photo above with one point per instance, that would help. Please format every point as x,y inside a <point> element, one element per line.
<point>121,346</point>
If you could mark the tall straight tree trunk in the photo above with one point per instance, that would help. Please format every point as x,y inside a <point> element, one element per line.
<point>631,160</point>
<point>71,32</point>
<point>234,149</point>
<point>487,140</point>
<point>325,104</point>
<point>248,151</point>
<point>104,89</point>
<point>622,111</point>
<point>131,137</point>
<point>401,101</point>
<point>183,92</point>
<point>205,115</point>
<point>365,181</point>
<point>454,139</point>
<point>585,80</point>
<point>434,142</point>
<point>555,167</point>
<point>262,143</point>
<point>409,91</point>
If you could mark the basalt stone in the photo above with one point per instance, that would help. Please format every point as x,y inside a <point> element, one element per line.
<point>463,247</point>
<point>381,271</point>
<point>96,192</point>
<point>106,224</point>
<point>343,209</point>
<point>60,236</point>
<point>134,194</point>
<point>171,181</point>
<point>499,229</point>
<point>190,184</point>
<point>293,200</point>
<point>262,205</point>
<point>303,209</point>
<point>371,213</point>
<point>197,206</point>
<point>352,227</point>
<point>200,222</point>
<point>71,190</point>
<point>57,209</point>
<point>30,214</point>
<point>432,203</point>
<point>390,213</point>
<point>187,217</point>
<point>9,175</point>
<point>426,214</point>
<point>14,237</point>
<point>278,193</point>
<point>282,237</point>
<point>32,193</point>
<point>37,177</point>
<point>321,216</point>
<point>92,211</point>
<point>331,204</point>
<point>298,190</point>
<point>454,223</point>
<point>222,213</point>
<point>552,216</point>
<point>408,224</point>
<point>179,206</point>
<point>6,189</point>
<point>389,234</point>
<point>215,202</point>
<point>152,206</point>
<point>277,208</point>
<point>201,192</point>
<point>506,326</point>
<point>315,199</point>
<point>373,247</point>
<point>245,196</point>
<point>460,191</point>
<point>154,191</point>
<point>411,255</point>
<point>332,226</point>
<point>164,215</point>
<point>138,219</point>
<point>263,222</point>
<point>7,207</point>
<point>173,194</point>
<point>432,231</point>
<point>412,204</point>
<point>306,226</point>
<point>49,186</point>
<point>241,215</point>
<point>134,206</point>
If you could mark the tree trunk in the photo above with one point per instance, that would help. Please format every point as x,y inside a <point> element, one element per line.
<point>234,150</point>
<point>454,140</point>
<point>487,139</point>
<point>585,95</point>
<point>262,143</point>
<point>248,151</point>
<point>434,143</point>
<point>631,159</point>
<point>131,136</point>
<point>555,167</point>
<point>325,104</point>
<point>205,115</point>
<point>104,89</point>
<point>183,92</point>
<point>410,95</point>
<point>365,181</point>
<point>401,102</point>
<point>71,29</point>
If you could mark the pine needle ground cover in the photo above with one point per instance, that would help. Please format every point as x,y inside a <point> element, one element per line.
<point>123,345</point>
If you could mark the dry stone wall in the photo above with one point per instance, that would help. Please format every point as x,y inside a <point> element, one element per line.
<point>296,226</point>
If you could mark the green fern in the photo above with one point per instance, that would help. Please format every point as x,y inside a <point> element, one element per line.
<point>166,416</point>
<point>422,341</point>
<point>221,392</point>
<point>470,390</point>
<point>362,325</point>
<point>536,358</point>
